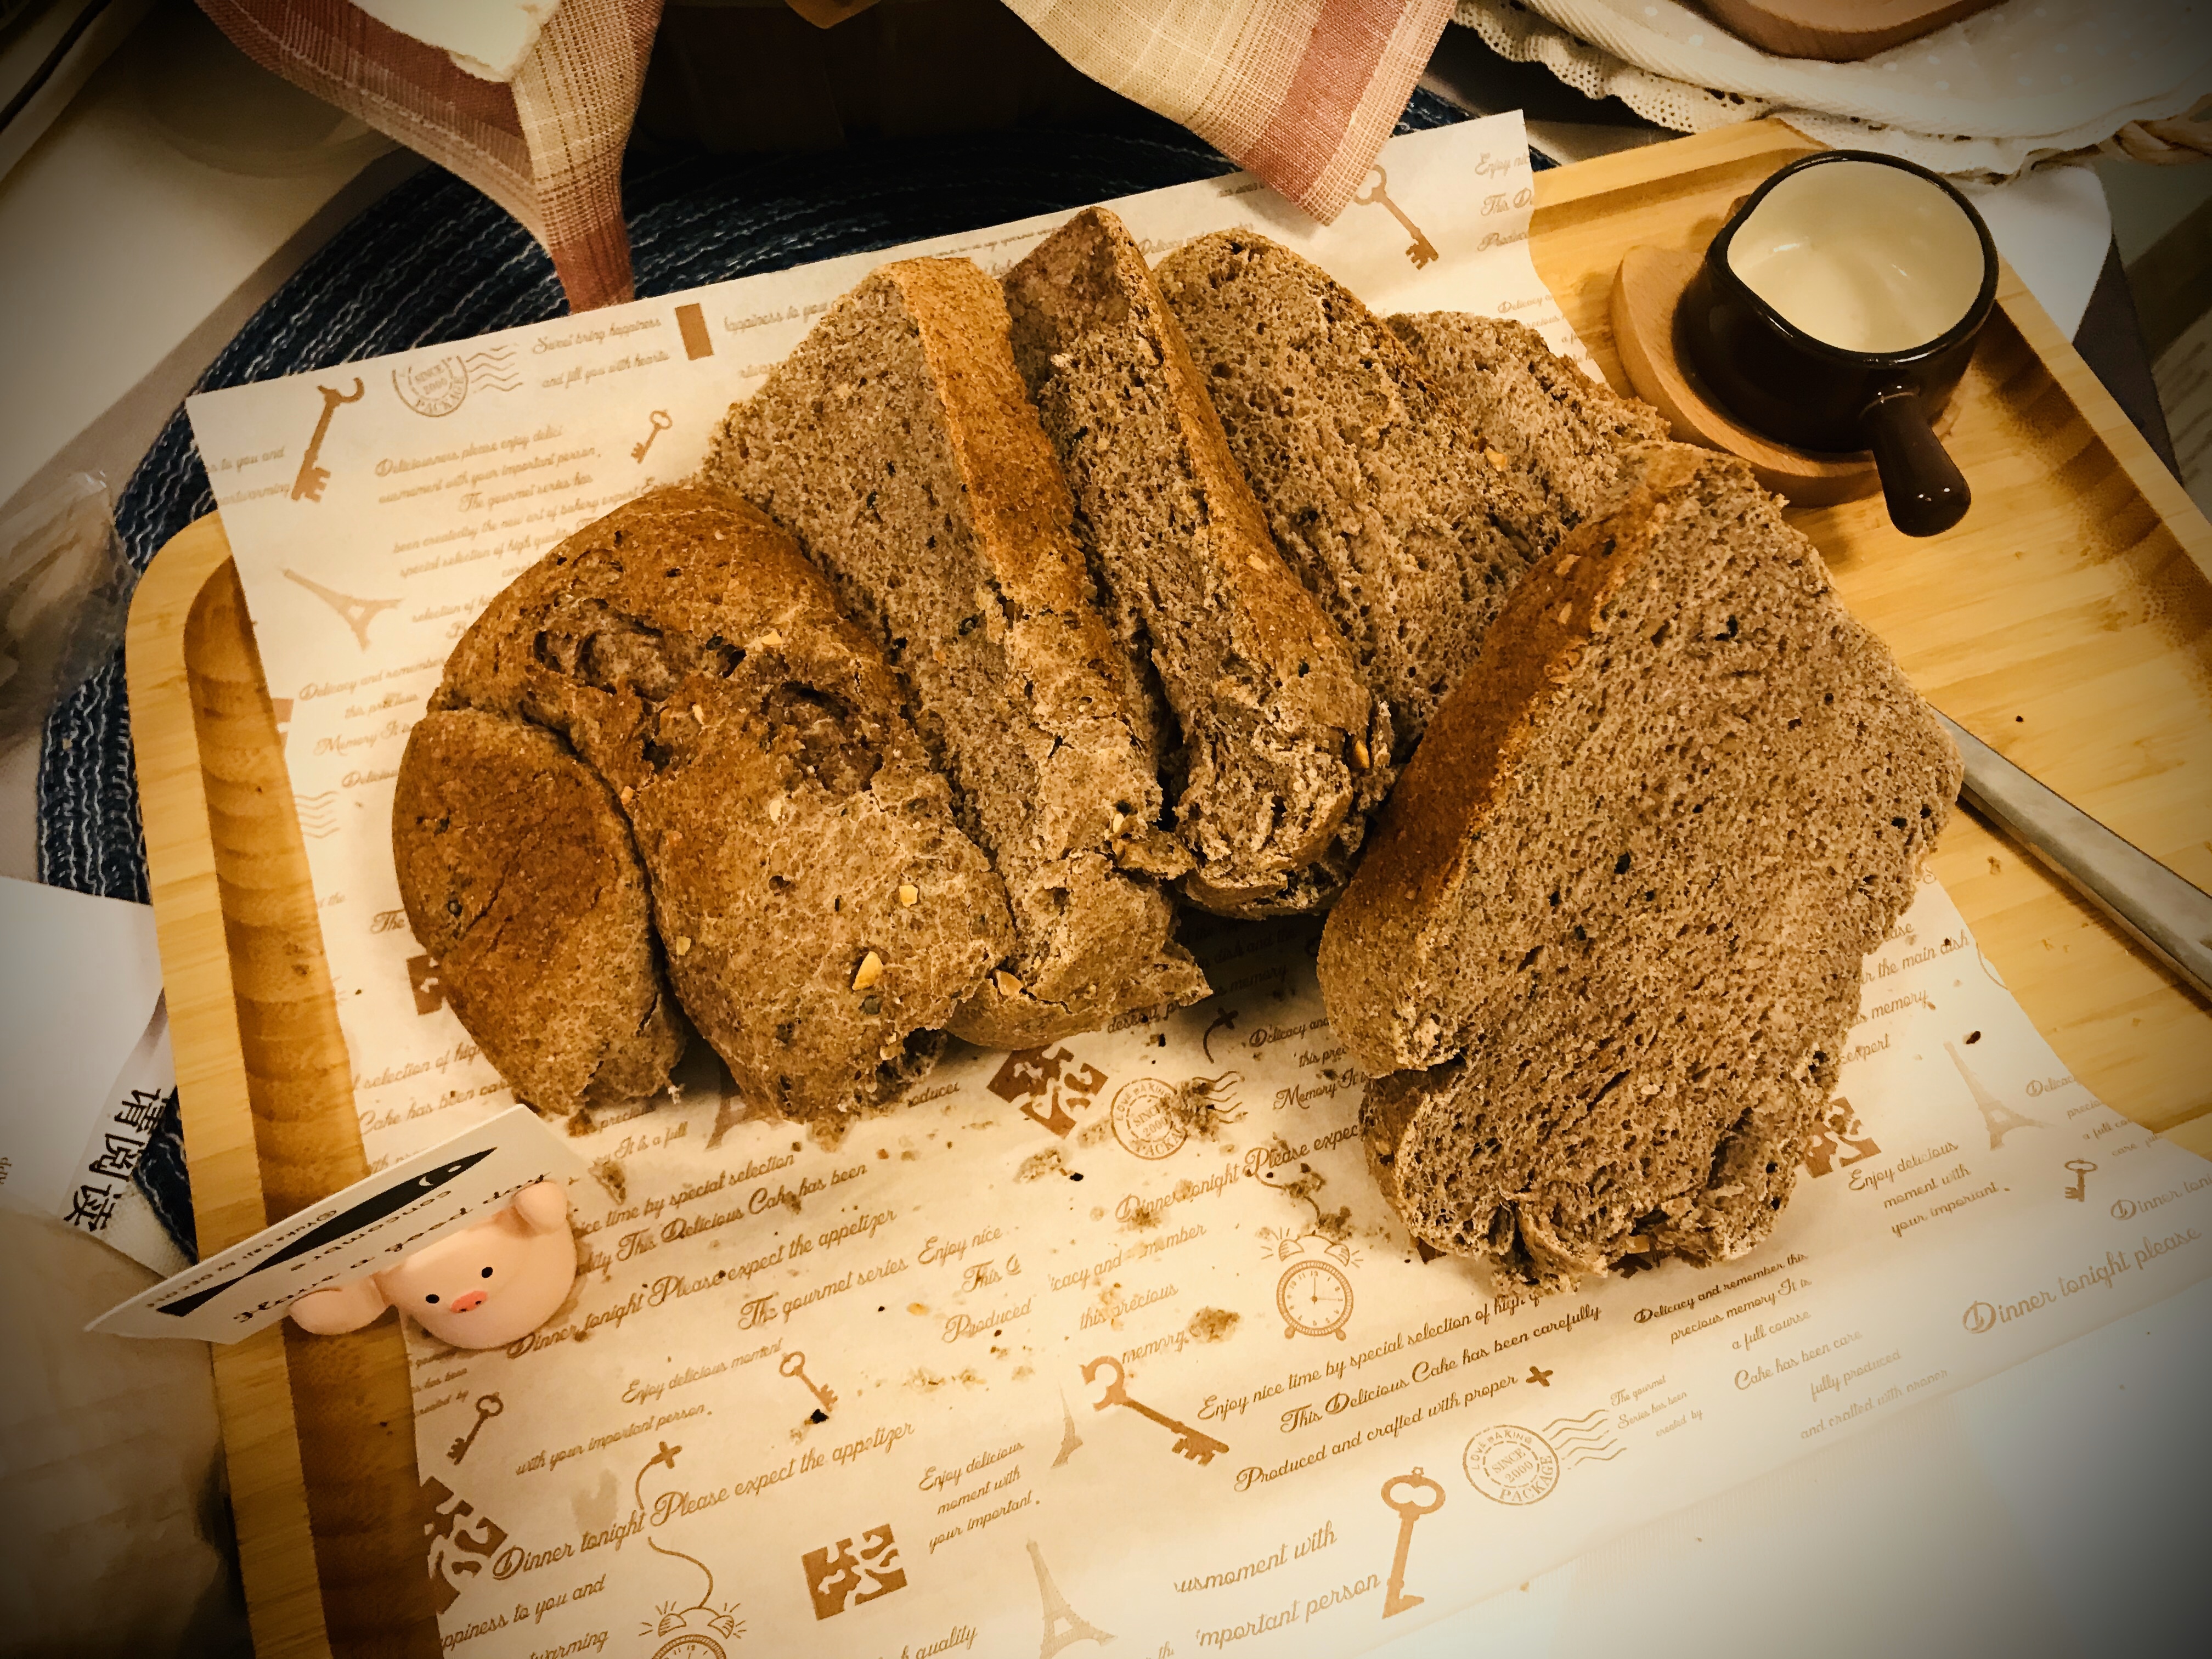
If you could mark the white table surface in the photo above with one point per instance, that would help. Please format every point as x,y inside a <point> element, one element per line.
<point>2060,1508</point>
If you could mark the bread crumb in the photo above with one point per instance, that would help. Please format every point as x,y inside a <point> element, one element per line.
<point>1213,1325</point>
<point>1045,1163</point>
<point>1334,1225</point>
<point>1496,458</point>
<point>1007,984</point>
<point>627,793</point>
<point>771,638</point>
<point>917,1307</point>
<point>776,810</point>
<point>1360,757</point>
<point>1566,564</point>
<point>869,970</point>
<point>610,1175</point>
<point>1142,1216</point>
<point>683,944</point>
<point>909,894</point>
<point>1201,1104</point>
<point>698,714</point>
<point>1566,613</point>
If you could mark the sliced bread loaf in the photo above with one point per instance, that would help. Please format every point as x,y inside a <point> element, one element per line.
<point>1564,432</point>
<point>1617,906</point>
<point>1267,727</point>
<point>899,444</point>
<point>1378,490</point>
<point>821,913</point>
<point>521,881</point>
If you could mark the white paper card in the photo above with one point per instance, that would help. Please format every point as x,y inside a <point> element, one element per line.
<point>89,1072</point>
<point>361,1230</point>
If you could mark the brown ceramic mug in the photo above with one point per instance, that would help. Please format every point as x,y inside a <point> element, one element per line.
<point>1835,311</point>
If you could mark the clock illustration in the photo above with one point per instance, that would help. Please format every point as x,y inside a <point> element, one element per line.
<point>691,1646</point>
<point>1314,1297</point>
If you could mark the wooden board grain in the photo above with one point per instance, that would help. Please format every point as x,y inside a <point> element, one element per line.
<point>2067,621</point>
<point>319,1433</point>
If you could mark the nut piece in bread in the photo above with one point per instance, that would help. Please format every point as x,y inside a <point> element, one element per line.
<point>1265,709</point>
<point>521,881</point>
<point>1616,909</point>
<point>687,652</point>
<point>899,444</point>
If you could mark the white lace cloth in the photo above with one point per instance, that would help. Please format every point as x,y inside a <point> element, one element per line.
<point>1989,95</point>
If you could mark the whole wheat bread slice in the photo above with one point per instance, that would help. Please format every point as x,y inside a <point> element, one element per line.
<point>820,913</point>
<point>1268,725</point>
<point>1378,490</point>
<point>521,881</point>
<point>1566,435</point>
<point>899,444</point>
<point>1617,906</point>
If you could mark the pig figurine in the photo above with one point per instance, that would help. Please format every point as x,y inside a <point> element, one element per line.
<point>483,1287</point>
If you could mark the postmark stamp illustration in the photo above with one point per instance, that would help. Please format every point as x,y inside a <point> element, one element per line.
<point>441,385</point>
<point>1509,1464</point>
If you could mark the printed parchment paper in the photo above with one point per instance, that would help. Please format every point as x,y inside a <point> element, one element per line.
<point>1114,1340</point>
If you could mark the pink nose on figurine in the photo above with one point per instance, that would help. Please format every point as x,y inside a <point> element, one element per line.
<point>464,1304</point>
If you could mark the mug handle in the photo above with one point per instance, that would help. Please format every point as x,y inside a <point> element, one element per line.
<point>1922,485</point>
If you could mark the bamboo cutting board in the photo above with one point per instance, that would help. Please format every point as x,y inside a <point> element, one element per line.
<point>2067,621</point>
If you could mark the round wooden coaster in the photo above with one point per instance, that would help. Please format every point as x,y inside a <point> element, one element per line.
<point>1645,292</point>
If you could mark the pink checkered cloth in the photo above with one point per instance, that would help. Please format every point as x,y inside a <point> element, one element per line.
<point>1301,92</point>
<point>546,145</point>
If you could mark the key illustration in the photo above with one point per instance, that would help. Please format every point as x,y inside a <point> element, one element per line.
<point>794,1364</point>
<point>1198,1448</point>
<point>1411,1507</point>
<point>356,614</point>
<point>487,1409</point>
<point>660,424</point>
<point>1423,252</point>
<point>308,486</point>
<point>2078,1192</point>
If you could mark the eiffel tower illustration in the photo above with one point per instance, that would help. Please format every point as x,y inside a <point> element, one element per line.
<point>1069,1440</point>
<point>2001,1118</point>
<point>355,613</point>
<point>1063,1627</point>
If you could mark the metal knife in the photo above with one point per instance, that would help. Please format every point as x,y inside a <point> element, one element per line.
<point>2166,915</point>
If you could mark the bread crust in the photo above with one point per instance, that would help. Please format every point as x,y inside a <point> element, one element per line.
<point>821,914</point>
<point>1422,839</point>
<point>1265,714</point>
<point>522,884</point>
